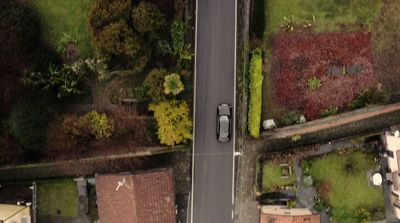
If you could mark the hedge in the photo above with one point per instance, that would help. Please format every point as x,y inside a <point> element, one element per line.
<point>255,86</point>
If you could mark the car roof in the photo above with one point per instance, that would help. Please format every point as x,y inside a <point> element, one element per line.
<point>223,126</point>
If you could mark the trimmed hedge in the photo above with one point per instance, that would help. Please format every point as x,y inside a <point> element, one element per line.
<point>255,86</point>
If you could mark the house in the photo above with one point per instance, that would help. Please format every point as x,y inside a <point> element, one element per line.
<point>283,214</point>
<point>146,197</point>
<point>10,213</point>
<point>392,146</point>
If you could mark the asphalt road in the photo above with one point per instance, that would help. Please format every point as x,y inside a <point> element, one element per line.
<point>215,83</point>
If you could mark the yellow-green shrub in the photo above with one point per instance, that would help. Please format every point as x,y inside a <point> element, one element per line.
<point>255,86</point>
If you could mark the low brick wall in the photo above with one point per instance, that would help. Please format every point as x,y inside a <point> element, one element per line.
<point>88,166</point>
<point>362,121</point>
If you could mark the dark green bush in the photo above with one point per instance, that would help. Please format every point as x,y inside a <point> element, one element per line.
<point>147,18</point>
<point>289,118</point>
<point>66,81</point>
<point>125,35</point>
<point>28,124</point>
<point>154,82</point>
<point>257,25</point>
<point>362,99</point>
<point>255,86</point>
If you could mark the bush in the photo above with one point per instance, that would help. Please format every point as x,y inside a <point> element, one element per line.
<point>174,123</point>
<point>147,18</point>
<point>177,47</point>
<point>67,80</point>
<point>289,118</point>
<point>173,84</point>
<point>154,82</point>
<point>362,99</point>
<point>320,203</point>
<point>314,83</point>
<point>28,124</point>
<point>306,166</point>
<point>84,129</point>
<point>363,215</point>
<point>99,124</point>
<point>256,79</point>
<point>332,110</point>
<point>115,39</point>
<point>64,42</point>
<point>107,11</point>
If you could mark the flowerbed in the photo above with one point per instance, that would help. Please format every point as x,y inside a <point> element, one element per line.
<point>342,61</point>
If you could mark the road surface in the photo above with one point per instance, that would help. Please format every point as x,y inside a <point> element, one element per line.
<point>212,193</point>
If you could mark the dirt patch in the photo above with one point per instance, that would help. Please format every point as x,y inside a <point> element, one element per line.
<point>342,61</point>
<point>324,189</point>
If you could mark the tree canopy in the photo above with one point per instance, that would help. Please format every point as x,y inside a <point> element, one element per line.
<point>174,123</point>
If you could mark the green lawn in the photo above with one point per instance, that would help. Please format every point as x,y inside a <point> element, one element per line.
<point>349,190</point>
<point>325,15</point>
<point>70,17</point>
<point>58,196</point>
<point>272,177</point>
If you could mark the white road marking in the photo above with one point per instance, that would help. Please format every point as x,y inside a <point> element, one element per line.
<point>194,110</point>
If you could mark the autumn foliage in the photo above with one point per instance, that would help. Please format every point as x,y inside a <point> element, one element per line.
<point>174,122</point>
<point>300,56</point>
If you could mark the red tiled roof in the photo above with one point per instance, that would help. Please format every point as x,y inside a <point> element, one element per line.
<point>266,218</point>
<point>143,198</point>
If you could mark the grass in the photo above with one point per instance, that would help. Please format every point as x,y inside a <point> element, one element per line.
<point>70,17</point>
<point>348,190</point>
<point>271,177</point>
<point>323,15</point>
<point>58,198</point>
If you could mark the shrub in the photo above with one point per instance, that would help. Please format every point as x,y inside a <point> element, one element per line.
<point>146,17</point>
<point>363,215</point>
<point>83,129</point>
<point>28,124</point>
<point>289,118</point>
<point>99,124</point>
<point>296,138</point>
<point>378,213</point>
<point>314,83</point>
<point>361,100</point>
<point>173,84</point>
<point>306,165</point>
<point>256,79</point>
<point>115,39</point>
<point>65,80</point>
<point>320,203</point>
<point>113,96</point>
<point>177,47</point>
<point>107,11</point>
<point>64,42</point>
<point>154,82</point>
<point>332,110</point>
<point>178,29</point>
<point>174,123</point>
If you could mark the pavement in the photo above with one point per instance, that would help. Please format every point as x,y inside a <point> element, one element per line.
<point>212,192</point>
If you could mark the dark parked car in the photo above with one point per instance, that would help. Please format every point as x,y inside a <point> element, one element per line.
<point>224,125</point>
